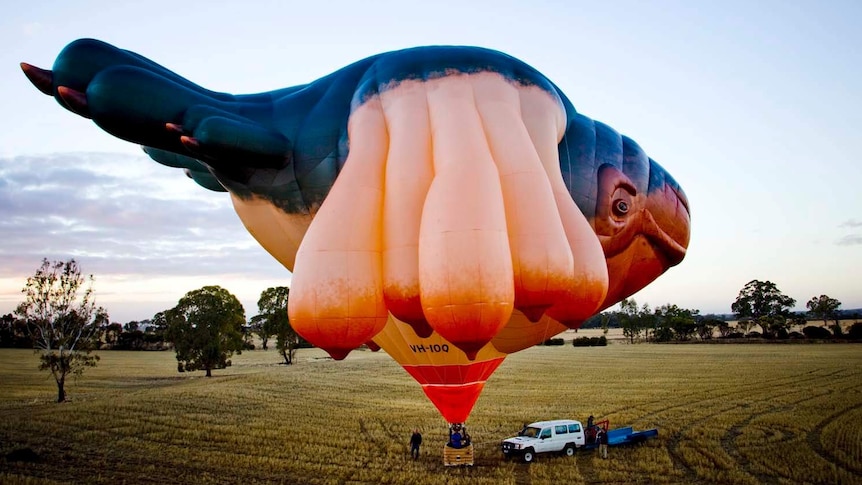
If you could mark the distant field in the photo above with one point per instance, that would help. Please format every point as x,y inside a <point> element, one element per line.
<point>726,414</point>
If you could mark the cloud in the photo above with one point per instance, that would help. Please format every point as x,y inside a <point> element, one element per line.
<point>851,223</point>
<point>32,29</point>
<point>119,214</point>
<point>850,240</point>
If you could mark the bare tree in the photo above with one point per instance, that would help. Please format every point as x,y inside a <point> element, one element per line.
<point>62,319</point>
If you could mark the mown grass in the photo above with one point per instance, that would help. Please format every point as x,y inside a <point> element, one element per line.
<point>726,414</point>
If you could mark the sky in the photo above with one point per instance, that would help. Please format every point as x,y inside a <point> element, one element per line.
<point>754,108</point>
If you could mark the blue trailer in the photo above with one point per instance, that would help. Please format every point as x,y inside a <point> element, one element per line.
<point>623,436</point>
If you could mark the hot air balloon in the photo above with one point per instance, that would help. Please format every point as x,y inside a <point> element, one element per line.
<point>445,203</point>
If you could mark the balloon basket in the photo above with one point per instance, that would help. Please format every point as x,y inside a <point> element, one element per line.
<point>458,456</point>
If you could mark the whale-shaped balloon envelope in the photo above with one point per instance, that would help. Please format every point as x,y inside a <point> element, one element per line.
<point>445,203</point>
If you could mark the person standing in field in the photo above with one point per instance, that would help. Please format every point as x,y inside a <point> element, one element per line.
<point>415,441</point>
<point>603,443</point>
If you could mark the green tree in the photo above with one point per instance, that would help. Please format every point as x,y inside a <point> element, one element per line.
<point>14,332</point>
<point>206,329</point>
<point>723,328</point>
<point>273,320</point>
<point>675,322</point>
<point>160,325</point>
<point>62,318</point>
<point>824,308</point>
<point>764,303</point>
<point>707,325</point>
<point>112,333</point>
<point>744,324</point>
<point>629,319</point>
<point>259,328</point>
<point>649,322</point>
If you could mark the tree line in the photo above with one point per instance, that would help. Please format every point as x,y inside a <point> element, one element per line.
<point>760,305</point>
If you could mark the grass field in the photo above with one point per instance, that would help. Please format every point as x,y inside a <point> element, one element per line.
<point>726,414</point>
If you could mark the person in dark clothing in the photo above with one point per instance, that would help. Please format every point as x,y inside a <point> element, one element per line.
<point>603,443</point>
<point>465,436</point>
<point>455,436</point>
<point>455,440</point>
<point>415,441</point>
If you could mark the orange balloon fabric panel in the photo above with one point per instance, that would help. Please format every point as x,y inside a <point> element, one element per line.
<point>336,298</point>
<point>541,257</point>
<point>409,172</point>
<point>465,264</point>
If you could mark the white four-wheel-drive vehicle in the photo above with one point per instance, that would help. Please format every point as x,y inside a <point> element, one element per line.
<point>562,435</point>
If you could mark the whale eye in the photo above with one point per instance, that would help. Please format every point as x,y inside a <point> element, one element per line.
<point>622,202</point>
<point>617,201</point>
<point>621,207</point>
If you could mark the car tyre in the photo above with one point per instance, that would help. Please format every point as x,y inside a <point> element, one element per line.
<point>569,450</point>
<point>529,455</point>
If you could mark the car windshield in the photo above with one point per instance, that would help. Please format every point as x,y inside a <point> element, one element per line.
<point>530,432</point>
